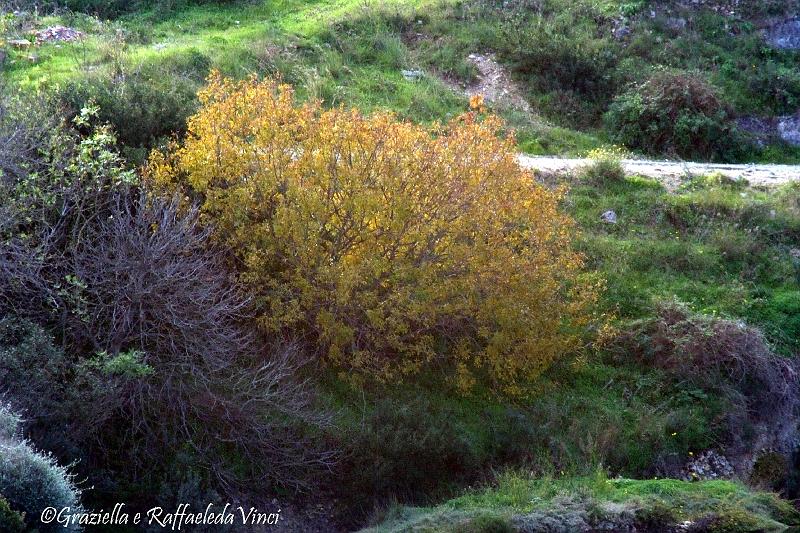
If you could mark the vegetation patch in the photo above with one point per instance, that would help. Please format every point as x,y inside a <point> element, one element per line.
<point>577,504</point>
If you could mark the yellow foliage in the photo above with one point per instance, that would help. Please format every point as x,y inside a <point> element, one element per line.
<point>393,245</point>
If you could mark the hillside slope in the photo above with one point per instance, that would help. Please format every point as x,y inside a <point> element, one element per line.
<point>571,63</point>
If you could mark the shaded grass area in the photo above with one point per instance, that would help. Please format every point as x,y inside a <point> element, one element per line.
<point>423,444</point>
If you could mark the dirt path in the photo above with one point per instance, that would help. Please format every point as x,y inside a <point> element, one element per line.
<point>496,85</point>
<point>671,173</point>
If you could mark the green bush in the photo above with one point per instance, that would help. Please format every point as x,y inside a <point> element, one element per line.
<point>142,108</point>
<point>410,450</point>
<point>31,481</point>
<point>10,520</point>
<point>675,113</point>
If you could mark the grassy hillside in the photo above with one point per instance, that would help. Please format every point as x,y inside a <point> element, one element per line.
<point>571,59</point>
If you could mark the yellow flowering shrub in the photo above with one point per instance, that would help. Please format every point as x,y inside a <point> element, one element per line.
<point>392,245</point>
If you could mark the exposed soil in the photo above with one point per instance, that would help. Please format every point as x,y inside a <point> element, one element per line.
<point>495,84</point>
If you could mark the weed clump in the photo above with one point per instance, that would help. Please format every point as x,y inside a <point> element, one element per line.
<point>722,356</point>
<point>675,113</point>
<point>606,167</point>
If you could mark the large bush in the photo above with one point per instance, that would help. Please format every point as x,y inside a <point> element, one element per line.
<point>31,481</point>
<point>673,113</point>
<point>389,243</point>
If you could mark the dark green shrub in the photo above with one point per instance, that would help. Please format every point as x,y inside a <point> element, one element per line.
<point>770,471</point>
<point>10,520</point>
<point>656,516</point>
<point>36,376</point>
<point>28,136</point>
<point>730,519</point>
<point>142,108</point>
<point>674,113</point>
<point>561,53</point>
<point>31,481</point>
<point>410,450</point>
<point>565,61</point>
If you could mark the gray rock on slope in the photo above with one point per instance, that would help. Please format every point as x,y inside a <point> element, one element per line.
<point>784,35</point>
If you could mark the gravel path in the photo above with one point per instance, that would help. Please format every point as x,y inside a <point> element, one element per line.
<point>672,172</point>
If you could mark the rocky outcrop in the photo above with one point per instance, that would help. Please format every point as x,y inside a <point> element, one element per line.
<point>784,35</point>
<point>764,131</point>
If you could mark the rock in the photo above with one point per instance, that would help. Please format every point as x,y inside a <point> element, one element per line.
<point>609,217</point>
<point>412,75</point>
<point>708,465</point>
<point>789,129</point>
<point>54,34</point>
<point>765,130</point>
<point>676,23</point>
<point>760,130</point>
<point>785,35</point>
<point>543,522</point>
<point>621,31</point>
<point>20,43</point>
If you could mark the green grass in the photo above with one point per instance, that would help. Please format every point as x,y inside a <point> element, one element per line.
<point>352,53</point>
<point>723,249</point>
<point>727,506</point>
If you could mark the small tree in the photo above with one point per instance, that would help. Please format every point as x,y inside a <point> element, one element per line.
<point>392,245</point>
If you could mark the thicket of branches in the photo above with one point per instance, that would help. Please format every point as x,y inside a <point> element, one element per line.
<point>159,356</point>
